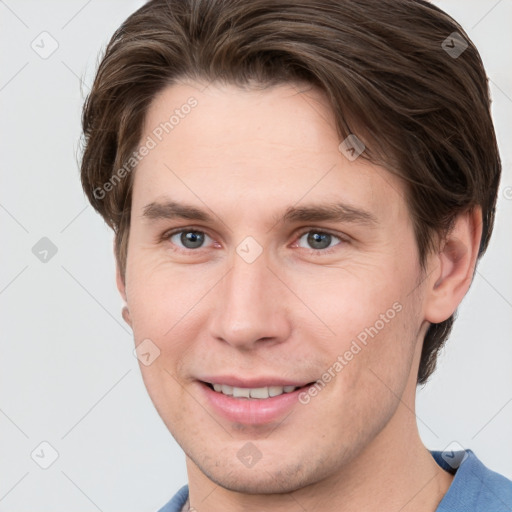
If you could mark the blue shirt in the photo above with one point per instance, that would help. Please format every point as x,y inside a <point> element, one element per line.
<point>475,488</point>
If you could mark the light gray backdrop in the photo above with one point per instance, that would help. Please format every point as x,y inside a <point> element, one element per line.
<point>67,373</point>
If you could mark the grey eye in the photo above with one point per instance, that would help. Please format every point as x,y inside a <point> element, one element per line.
<point>189,239</point>
<point>317,239</point>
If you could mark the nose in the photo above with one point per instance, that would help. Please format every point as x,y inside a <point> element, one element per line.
<point>250,306</point>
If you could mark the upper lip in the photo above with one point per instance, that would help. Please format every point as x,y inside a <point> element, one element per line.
<point>256,382</point>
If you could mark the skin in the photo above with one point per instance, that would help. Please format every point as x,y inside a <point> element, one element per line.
<point>244,156</point>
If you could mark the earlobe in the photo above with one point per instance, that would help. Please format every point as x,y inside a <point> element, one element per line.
<point>453,267</point>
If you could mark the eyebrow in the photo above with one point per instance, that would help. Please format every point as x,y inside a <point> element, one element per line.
<point>333,212</point>
<point>174,210</point>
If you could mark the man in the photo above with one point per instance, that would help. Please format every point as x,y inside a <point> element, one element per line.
<point>299,202</point>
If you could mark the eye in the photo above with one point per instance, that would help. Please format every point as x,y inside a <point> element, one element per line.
<point>188,238</point>
<point>318,240</point>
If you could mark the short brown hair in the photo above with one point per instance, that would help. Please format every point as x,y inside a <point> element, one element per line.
<point>383,65</point>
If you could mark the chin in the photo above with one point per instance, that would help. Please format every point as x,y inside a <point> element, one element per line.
<point>271,476</point>
<point>259,481</point>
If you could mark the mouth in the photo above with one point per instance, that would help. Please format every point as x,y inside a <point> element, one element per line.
<point>255,405</point>
<point>259,393</point>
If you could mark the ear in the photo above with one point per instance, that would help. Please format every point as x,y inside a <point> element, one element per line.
<point>452,268</point>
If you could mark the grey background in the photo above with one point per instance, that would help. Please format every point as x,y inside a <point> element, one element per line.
<point>67,372</point>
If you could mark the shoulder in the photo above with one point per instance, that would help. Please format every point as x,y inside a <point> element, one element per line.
<point>475,488</point>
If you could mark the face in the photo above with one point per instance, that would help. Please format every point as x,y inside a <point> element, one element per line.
<point>277,278</point>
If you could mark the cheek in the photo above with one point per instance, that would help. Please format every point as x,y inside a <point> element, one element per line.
<point>354,304</point>
<point>374,321</point>
<point>161,295</point>
<point>160,304</point>
<point>384,348</point>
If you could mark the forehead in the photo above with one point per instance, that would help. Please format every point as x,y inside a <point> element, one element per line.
<point>273,145</point>
<point>242,120</point>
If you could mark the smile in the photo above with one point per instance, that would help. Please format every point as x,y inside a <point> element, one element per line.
<point>257,393</point>
<point>253,404</point>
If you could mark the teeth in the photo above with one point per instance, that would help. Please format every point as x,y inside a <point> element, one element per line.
<point>259,393</point>
<point>241,392</point>
<point>275,390</point>
<point>227,390</point>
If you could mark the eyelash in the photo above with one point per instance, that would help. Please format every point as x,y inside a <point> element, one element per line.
<point>316,252</point>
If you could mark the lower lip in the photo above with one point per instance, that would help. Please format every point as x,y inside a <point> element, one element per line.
<point>251,411</point>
